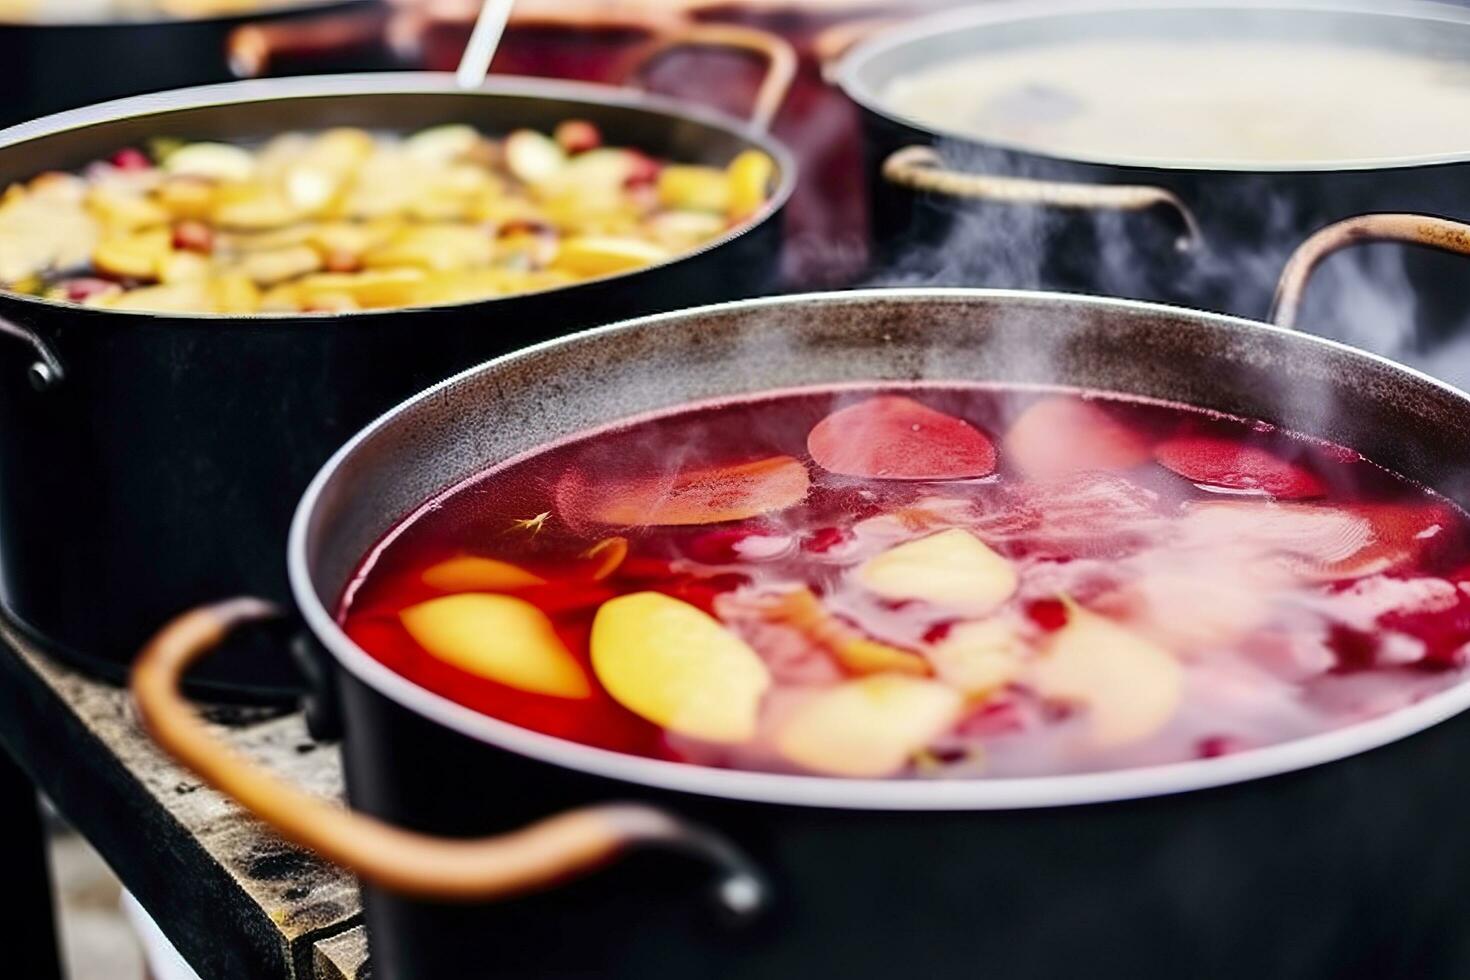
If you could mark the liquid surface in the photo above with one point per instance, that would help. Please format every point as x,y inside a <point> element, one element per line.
<point>1203,101</point>
<point>926,582</point>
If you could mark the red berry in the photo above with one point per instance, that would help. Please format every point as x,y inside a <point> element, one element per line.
<point>1049,614</point>
<point>194,236</point>
<point>130,158</point>
<point>1214,746</point>
<point>577,136</point>
<point>824,539</point>
<point>642,170</point>
<point>81,290</point>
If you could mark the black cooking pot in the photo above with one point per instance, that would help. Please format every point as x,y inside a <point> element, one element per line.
<point>153,459</point>
<point>48,64</point>
<point>1333,856</point>
<point>950,209</point>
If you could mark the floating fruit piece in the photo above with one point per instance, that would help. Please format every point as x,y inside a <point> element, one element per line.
<point>498,637</point>
<point>256,209</point>
<point>689,187</point>
<point>891,437</point>
<point>750,175</point>
<point>1060,436</point>
<point>440,144</point>
<point>135,256</point>
<point>532,156</point>
<point>952,569</point>
<point>186,197</point>
<point>1130,686</point>
<point>123,211</point>
<point>1235,465</point>
<point>577,135</point>
<point>472,573</point>
<point>376,288</point>
<point>130,158</point>
<point>677,667</point>
<point>703,496</point>
<point>181,266</point>
<point>213,161</point>
<point>868,728</point>
<point>279,265</point>
<point>606,557</point>
<point>180,297</point>
<point>604,255</point>
<point>234,294</point>
<point>803,611</point>
<point>435,248</point>
<point>979,658</point>
<point>681,230</point>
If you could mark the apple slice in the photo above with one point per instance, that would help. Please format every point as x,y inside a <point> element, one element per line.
<point>211,161</point>
<point>979,658</point>
<point>891,437</point>
<point>498,637</point>
<point>703,496</point>
<point>533,157</point>
<point>605,557</point>
<point>472,573</point>
<point>953,569</point>
<point>1060,436</point>
<point>869,727</point>
<point>689,187</point>
<point>604,255</point>
<point>1130,686</point>
<point>676,666</point>
<point>1234,465</point>
<point>750,175</point>
<point>803,611</point>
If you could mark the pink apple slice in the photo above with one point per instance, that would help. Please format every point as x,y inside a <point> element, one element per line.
<point>709,495</point>
<point>891,437</point>
<point>1060,436</point>
<point>500,638</point>
<point>473,573</point>
<point>1234,465</point>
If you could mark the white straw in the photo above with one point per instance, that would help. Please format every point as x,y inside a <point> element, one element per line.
<point>474,65</point>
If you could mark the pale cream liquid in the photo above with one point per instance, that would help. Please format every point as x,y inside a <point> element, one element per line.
<point>1222,101</point>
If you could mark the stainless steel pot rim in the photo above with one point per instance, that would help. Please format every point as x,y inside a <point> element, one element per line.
<point>370,84</point>
<point>855,794</point>
<point>1005,11</point>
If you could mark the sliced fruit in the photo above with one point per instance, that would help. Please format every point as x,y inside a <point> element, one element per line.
<point>604,255</point>
<point>179,297</point>
<point>703,496</point>
<point>435,248</point>
<point>267,268</point>
<point>440,144</point>
<point>1233,465</point>
<point>473,573</point>
<point>952,569</point>
<point>688,187</point>
<point>234,294</point>
<point>255,209</point>
<point>498,637</point>
<point>1060,436</point>
<point>213,161</point>
<point>375,288</point>
<point>1130,686</point>
<point>891,437</point>
<point>124,211</point>
<point>750,175</point>
<point>804,612</point>
<point>681,230</point>
<point>605,557</point>
<point>868,728</point>
<point>979,658</point>
<point>136,256</point>
<point>533,157</point>
<point>676,666</point>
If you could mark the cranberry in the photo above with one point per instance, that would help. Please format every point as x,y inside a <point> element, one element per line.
<point>1049,614</point>
<point>81,290</point>
<point>824,539</point>
<point>194,236</point>
<point>642,170</point>
<point>577,136</point>
<point>1214,746</point>
<point>130,158</point>
<point>938,632</point>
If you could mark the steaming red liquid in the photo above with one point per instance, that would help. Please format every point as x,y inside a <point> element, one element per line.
<point>1261,586</point>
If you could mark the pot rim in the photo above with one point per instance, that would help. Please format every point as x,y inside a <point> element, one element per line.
<point>838,793</point>
<point>998,12</point>
<point>369,84</point>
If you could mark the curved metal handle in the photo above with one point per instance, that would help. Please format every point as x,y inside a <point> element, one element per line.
<point>832,44</point>
<point>252,50</point>
<point>534,857</point>
<point>1411,229</point>
<point>46,372</point>
<point>778,53</point>
<point>921,168</point>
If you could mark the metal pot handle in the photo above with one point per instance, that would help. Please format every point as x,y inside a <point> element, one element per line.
<point>254,50</point>
<point>921,168</point>
<point>1411,229</point>
<point>779,55</point>
<point>46,372</point>
<point>537,856</point>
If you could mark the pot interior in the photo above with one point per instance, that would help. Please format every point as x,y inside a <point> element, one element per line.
<point>1205,47</point>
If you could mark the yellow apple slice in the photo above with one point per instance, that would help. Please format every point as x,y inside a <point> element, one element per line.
<point>869,727</point>
<point>953,569</point>
<point>803,611</point>
<point>603,255</point>
<point>472,573</point>
<point>750,175</point>
<point>1130,685</point>
<point>135,256</point>
<point>979,658</point>
<point>676,666</point>
<point>498,637</point>
<point>689,187</point>
<point>211,161</point>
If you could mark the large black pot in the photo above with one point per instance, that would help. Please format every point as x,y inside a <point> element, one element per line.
<point>153,460</point>
<point>949,209</point>
<point>1335,856</point>
<point>48,64</point>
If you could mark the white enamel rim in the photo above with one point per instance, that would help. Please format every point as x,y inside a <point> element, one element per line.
<point>997,12</point>
<point>854,794</point>
<point>369,84</point>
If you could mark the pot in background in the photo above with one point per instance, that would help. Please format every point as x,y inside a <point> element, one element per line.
<point>153,460</point>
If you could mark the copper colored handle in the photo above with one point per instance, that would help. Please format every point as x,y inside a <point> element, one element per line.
<point>833,43</point>
<point>1411,229</point>
<point>253,50</point>
<point>779,55</point>
<point>551,850</point>
<point>920,168</point>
